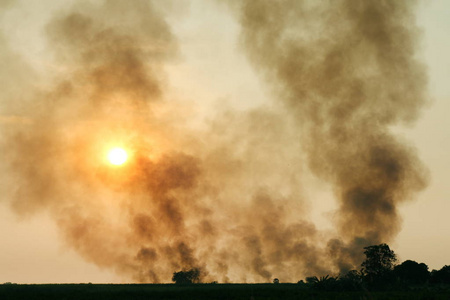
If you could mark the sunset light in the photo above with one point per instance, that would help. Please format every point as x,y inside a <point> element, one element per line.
<point>117,156</point>
<point>280,149</point>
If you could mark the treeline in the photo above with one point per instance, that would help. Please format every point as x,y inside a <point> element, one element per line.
<point>379,271</point>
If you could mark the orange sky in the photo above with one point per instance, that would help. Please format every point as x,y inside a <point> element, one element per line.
<point>212,71</point>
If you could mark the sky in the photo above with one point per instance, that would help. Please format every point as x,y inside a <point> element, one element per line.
<point>211,70</point>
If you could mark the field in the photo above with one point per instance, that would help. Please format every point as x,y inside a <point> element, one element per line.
<point>199,292</point>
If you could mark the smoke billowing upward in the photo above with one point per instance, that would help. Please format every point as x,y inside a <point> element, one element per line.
<point>227,197</point>
<point>348,71</point>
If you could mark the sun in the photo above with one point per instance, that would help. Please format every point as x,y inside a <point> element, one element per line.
<point>117,156</point>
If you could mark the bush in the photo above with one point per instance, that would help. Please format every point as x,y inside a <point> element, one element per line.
<point>187,277</point>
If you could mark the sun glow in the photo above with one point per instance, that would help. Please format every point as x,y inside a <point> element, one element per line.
<point>117,156</point>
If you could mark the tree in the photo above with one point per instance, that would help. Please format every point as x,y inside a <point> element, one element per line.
<point>351,281</point>
<point>441,276</point>
<point>323,283</point>
<point>378,266</point>
<point>187,277</point>
<point>411,272</point>
<point>380,259</point>
<point>311,280</point>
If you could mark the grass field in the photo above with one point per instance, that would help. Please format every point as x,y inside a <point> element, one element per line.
<point>199,292</point>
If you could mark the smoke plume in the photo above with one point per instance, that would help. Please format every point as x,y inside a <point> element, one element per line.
<point>225,197</point>
<point>349,73</point>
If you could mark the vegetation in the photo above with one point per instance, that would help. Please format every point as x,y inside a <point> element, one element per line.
<point>380,277</point>
<point>380,260</point>
<point>282,291</point>
<point>187,277</point>
<point>379,272</point>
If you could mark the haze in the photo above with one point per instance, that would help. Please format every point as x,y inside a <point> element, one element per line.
<point>258,149</point>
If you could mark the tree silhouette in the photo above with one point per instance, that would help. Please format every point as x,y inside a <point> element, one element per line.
<point>380,272</point>
<point>311,279</point>
<point>323,283</point>
<point>411,272</point>
<point>380,259</point>
<point>187,277</point>
<point>378,266</point>
<point>352,281</point>
<point>441,276</point>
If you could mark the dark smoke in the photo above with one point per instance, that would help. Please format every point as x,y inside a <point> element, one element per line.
<point>348,70</point>
<point>226,198</point>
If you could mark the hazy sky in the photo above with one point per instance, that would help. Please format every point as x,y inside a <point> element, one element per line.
<point>212,70</point>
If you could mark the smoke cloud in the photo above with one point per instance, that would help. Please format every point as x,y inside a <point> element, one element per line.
<point>225,197</point>
<point>349,73</point>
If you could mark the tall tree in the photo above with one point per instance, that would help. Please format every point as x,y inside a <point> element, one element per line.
<point>380,259</point>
